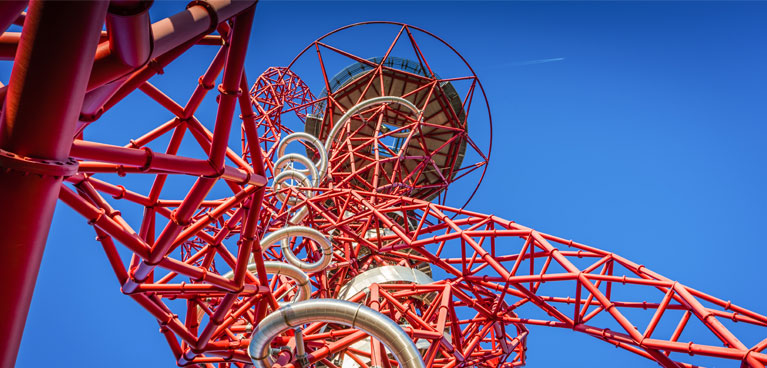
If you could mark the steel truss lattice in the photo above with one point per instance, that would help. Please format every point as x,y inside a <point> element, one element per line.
<point>355,212</point>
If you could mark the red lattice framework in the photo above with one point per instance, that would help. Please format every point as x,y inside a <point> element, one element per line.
<point>194,261</point>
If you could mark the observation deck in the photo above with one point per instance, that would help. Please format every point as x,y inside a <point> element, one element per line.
<point>393,149</point>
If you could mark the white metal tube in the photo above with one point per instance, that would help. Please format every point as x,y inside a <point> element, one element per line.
<point>283,162</point>
<point>282,268</point>
<point>356,108</point>
<point>287,175</point>
<point>306,137</point>
<point>285,234</point>
<point>342,312</point>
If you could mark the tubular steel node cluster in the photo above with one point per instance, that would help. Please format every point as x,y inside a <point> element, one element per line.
<point>324,239</point>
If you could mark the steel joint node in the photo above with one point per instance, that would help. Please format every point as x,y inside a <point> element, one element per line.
<point>30,165</point>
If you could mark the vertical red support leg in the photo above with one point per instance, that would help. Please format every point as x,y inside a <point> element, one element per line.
<point>46,89</point>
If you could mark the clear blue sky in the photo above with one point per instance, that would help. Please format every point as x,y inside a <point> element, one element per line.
<point>643,134</point>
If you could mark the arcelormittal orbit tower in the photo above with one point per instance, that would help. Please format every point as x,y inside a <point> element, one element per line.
<point>317,232</point>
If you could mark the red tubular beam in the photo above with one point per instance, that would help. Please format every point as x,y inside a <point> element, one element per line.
<point>175,347</point>
<point>194,21</point>
<point>179,220</point>
<point>726,305</point>
<point>102,98</point>
<point>715,351</point>
<point>331,348</point>
<point>161,98</point>
<point>153,134</point>
<point>98,218</point>
<point>196,273</point>
<point>213,215</point>
<point>116,191</point>
<point>9,42</point>
<point>230,86</point>
<point>165,318</point>
<point>159,180</point>
<point>251,222</point>
<point>89,192</point>
<point>9,12</point>
<point>193,289</point>
<point>708,318</point>
<point>169,33</point>
<point>129,29</point>
<point>216,319</point>
<point>146,159</point>
<point>205,137</point>
<point>112,255</point>
<point>243,308</point>
<point>658,313</point>
<point>205,83</point>
<point>29,200</point>
<point>211,40</point>
<point>248,241</point>
<point>143,74</point>
<point>94,100</point>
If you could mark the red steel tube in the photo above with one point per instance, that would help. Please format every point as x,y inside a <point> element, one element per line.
<point>230,86</point>
<point>167,34</point>
<point>9,43</point>
<point>111,227</point>
<point>28,130</point>
<point>130,32</point>
<point>147,159</point>
<point>251,221</point>
<point>206,82</point>
<point>9,12</point>
<point>137,78</point>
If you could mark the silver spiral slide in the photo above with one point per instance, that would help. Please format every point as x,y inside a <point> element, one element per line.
<point>333,311</point>
<point>356,108</point>
<point>302,311</point>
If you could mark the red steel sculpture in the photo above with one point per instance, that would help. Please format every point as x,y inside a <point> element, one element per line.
<point>330,246</point>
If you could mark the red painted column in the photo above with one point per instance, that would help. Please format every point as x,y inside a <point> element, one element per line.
<point>49,78</point>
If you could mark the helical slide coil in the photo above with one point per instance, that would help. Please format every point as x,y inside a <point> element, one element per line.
<point>360,106</point>
<point>333,311</point>
<point>284,170</point>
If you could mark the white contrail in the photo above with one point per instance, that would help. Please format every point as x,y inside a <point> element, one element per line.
<point>539,61</point>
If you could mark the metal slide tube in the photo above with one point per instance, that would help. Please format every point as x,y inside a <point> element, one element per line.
<point>284,234</point>
<point>288,175</point>
<point>283,162</point>
<point>282,175</point>
<point>282,268</point>
<point>306,137</point>
<point>333,311</point>
<point>38,122</point>
<point>317,173</point>
<point>356,108</point>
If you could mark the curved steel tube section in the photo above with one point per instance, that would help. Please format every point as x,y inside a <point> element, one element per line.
<point>356,108</point>
<point>289,158</point>
<point>287,175</point>
<point>306,137</point>
<point>283,173</point>
<point>334,311</point>
<point>281,268</point>
<point>284,234</point>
